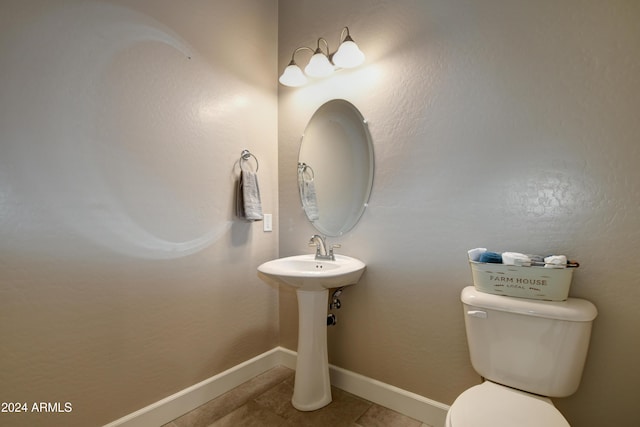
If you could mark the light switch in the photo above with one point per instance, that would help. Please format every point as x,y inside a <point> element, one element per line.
<point>267,222</point>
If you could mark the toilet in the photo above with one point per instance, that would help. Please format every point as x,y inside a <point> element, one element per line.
<point>527,351</point>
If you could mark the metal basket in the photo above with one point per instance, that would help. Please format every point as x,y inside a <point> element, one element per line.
<point>551,284</point>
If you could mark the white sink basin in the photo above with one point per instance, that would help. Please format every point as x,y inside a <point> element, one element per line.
<point>306,273</point>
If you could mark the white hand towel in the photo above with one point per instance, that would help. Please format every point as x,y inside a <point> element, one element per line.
<point>515,258</point>
<point>555,261</point>
<point>251,204</point>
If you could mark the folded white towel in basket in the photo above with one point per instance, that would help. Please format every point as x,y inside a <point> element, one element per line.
<point>516,258</point>
<point>474,254</point>
<point>555,261</point>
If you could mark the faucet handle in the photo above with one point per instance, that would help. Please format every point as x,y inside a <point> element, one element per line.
<point>331,249</point>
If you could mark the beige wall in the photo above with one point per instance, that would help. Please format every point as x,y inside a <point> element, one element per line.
<point>510,125</point>
<point>124,276</point>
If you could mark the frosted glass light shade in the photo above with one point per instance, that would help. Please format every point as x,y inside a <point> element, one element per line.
<point>293,76</point>
<point>318,66</point>
<point>348,55</point>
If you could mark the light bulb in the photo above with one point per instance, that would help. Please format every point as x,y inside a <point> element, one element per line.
<point>348,54</point>
<point>292,76</point>
<point>319,65</point>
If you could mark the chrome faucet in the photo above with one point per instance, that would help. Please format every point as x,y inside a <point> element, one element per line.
<point>321,248</point>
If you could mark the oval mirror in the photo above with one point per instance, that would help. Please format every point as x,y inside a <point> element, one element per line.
<point>335,167</point>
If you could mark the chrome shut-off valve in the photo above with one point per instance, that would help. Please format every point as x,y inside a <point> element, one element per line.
<point>335,302</point>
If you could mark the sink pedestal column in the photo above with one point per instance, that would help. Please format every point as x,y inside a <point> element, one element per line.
<point>312,389</point>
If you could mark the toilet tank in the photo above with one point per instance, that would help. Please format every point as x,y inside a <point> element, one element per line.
<point>532,345</point>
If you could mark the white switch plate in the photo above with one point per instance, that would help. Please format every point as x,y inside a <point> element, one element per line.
<point>267,222</point>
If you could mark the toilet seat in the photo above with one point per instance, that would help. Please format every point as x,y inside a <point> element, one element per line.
<point>493,405</point>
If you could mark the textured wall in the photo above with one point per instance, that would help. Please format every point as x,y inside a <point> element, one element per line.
<point>510,125</point>
<point>124,276</point>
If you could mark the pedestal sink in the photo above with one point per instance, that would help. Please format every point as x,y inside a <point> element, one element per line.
<point>312,279</point>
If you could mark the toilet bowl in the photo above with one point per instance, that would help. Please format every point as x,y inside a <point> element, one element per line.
<point>494,405</point>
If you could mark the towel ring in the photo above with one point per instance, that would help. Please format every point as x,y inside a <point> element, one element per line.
<point>305,168</point>
<point>245,155</point>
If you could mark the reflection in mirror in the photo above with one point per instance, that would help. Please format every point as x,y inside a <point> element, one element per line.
<point>335,167</point>
<point>307,189</point>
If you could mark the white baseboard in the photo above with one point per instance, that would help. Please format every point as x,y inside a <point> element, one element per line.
<point>413,405</point>
<point>410,404</point>
<point>171,407</point>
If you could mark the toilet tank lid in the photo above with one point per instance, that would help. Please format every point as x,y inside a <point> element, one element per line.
<point>573,309</point>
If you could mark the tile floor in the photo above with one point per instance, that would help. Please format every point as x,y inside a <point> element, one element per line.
<point>265,401</point>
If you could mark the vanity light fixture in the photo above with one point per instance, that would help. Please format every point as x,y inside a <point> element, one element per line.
<point>323,64</point>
